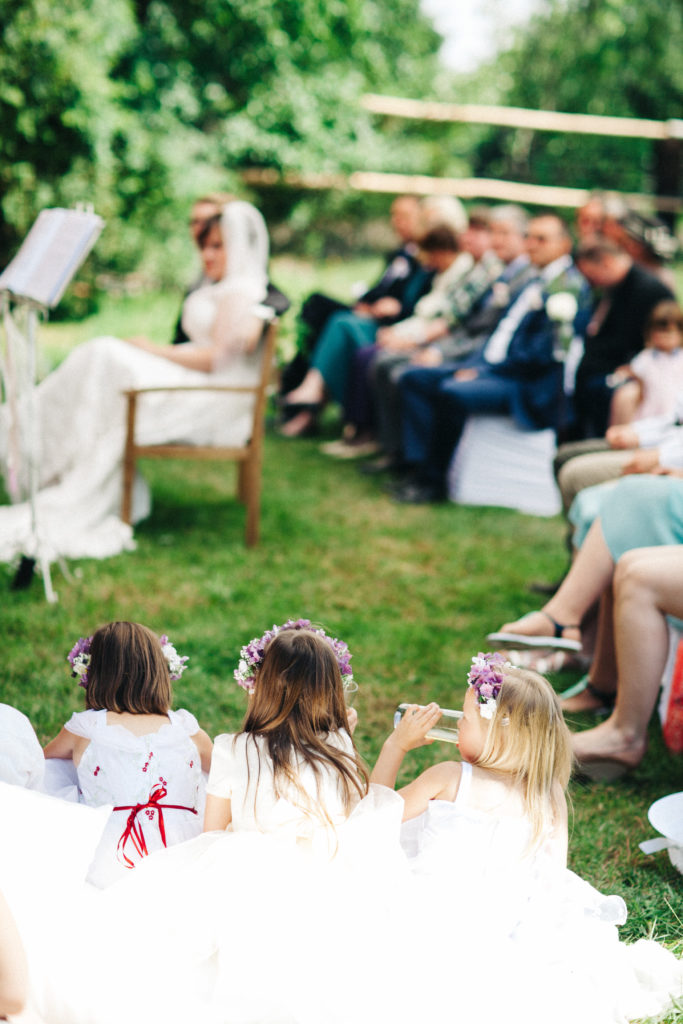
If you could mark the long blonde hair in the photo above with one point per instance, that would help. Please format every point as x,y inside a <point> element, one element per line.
<point>297,706</point>
<point>529,739</point>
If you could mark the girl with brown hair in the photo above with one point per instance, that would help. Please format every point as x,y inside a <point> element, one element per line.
<point>130,749</point>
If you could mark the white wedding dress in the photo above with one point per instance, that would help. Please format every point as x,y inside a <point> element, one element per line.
<point>81,411</point>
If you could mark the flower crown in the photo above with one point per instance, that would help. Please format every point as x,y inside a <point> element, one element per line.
<point>252,654</point>
<point>79,659</point>
<point>486,678</point>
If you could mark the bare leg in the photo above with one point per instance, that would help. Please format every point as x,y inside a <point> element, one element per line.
<point>310,391</point>
<point>603,670</point>
<point>647,587</point>
<point>590,574</point>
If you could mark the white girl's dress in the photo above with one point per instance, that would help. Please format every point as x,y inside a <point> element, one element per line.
<point>283,920</point>
<point>154,783</point>
<point>541,943</point>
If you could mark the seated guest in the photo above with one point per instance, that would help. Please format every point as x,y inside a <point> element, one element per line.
<point>401,283</point>
<point>517,372</point>
<point>649,243</point>
<point>590,217</point>
<point>582,464</point>
<point>626,674</point>
<point>639,512</point>
<point>650,384</point>
<point>345,333</point>
<point>615,331</point>
<point>477,317</point>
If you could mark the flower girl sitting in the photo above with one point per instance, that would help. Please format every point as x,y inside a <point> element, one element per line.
<point>130,749</point>
<point>489,835</point>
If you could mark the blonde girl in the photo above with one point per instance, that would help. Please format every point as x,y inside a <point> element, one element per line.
<point>528,939</point>
<point>514,745</point>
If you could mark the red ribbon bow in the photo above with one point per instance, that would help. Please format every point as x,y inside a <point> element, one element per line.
<point>133,831</point>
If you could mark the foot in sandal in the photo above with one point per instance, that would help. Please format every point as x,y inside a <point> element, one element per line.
<point>607,752</point>
<point>539,629</point>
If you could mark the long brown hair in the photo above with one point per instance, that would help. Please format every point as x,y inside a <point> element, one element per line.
<point>297,706</point>
<point>128,671</point>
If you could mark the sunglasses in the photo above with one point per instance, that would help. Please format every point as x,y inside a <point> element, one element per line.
<point>667,324</point>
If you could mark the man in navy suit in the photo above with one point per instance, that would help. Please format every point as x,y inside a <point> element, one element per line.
<point>517,372</point>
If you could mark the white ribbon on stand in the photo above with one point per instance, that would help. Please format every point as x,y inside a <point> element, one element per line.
<point>18,363</point>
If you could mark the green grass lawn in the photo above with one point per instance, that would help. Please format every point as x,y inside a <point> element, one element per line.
<point>413,590</point>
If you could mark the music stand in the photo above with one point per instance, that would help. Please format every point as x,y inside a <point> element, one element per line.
<point>34,283</point>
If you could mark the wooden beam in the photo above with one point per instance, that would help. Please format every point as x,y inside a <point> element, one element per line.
<point>464,188</point>
<point>518,117</point>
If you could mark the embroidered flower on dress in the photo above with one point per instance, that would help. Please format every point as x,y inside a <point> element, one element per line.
<point>79,659</point>
<point>486,678</point>
<point>252,653</point>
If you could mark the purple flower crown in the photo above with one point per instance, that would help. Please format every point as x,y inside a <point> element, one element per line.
<point>252,654</point>
<point>486,678</point>
<point>79,659</point>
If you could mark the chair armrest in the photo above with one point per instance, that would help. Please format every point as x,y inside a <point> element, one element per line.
<point>234,388</point>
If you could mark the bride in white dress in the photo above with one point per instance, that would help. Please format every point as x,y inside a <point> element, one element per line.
<point>81,406</point>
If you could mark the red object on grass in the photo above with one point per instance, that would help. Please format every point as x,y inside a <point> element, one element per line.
<point>672,728</point>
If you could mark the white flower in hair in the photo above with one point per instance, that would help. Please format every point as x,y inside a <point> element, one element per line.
<point>488,709</point>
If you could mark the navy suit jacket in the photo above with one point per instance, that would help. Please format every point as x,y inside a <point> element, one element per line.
<point>531,361</point>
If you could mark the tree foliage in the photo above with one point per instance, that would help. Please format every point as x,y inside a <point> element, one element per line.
<point>137,107</point>
<point>609,57</point>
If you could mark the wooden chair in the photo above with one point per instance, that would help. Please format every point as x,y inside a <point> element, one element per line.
<point>249,456</point>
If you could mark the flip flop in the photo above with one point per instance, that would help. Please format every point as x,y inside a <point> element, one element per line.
<point>556,642</point>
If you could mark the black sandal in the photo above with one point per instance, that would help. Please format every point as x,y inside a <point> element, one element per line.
<point>606,701</point>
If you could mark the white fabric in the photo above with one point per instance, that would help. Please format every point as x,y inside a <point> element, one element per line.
<point>661,376</point>
<point>81,411</point>
<point>237,927</point>
<point>435,303</point>
<point>242,772</point>
<point>544,939</point>
<point>122,769</point>
<point>21,755</point>
<point>498,463</point>
<point>248,927</point>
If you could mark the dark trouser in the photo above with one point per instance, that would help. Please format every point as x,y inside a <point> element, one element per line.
<point>435,410</point>
<point>592,400</point>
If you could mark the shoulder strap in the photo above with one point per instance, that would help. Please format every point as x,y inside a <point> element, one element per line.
<point>465,783</point>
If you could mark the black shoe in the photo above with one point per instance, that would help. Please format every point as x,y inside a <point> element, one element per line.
<point>383,464</point>
<point>24,574</point>
<point>418,494</point>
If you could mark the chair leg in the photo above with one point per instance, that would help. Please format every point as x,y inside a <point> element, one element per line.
<point>242,484</point>
<point>129,461</point>
<point>252,500</point>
